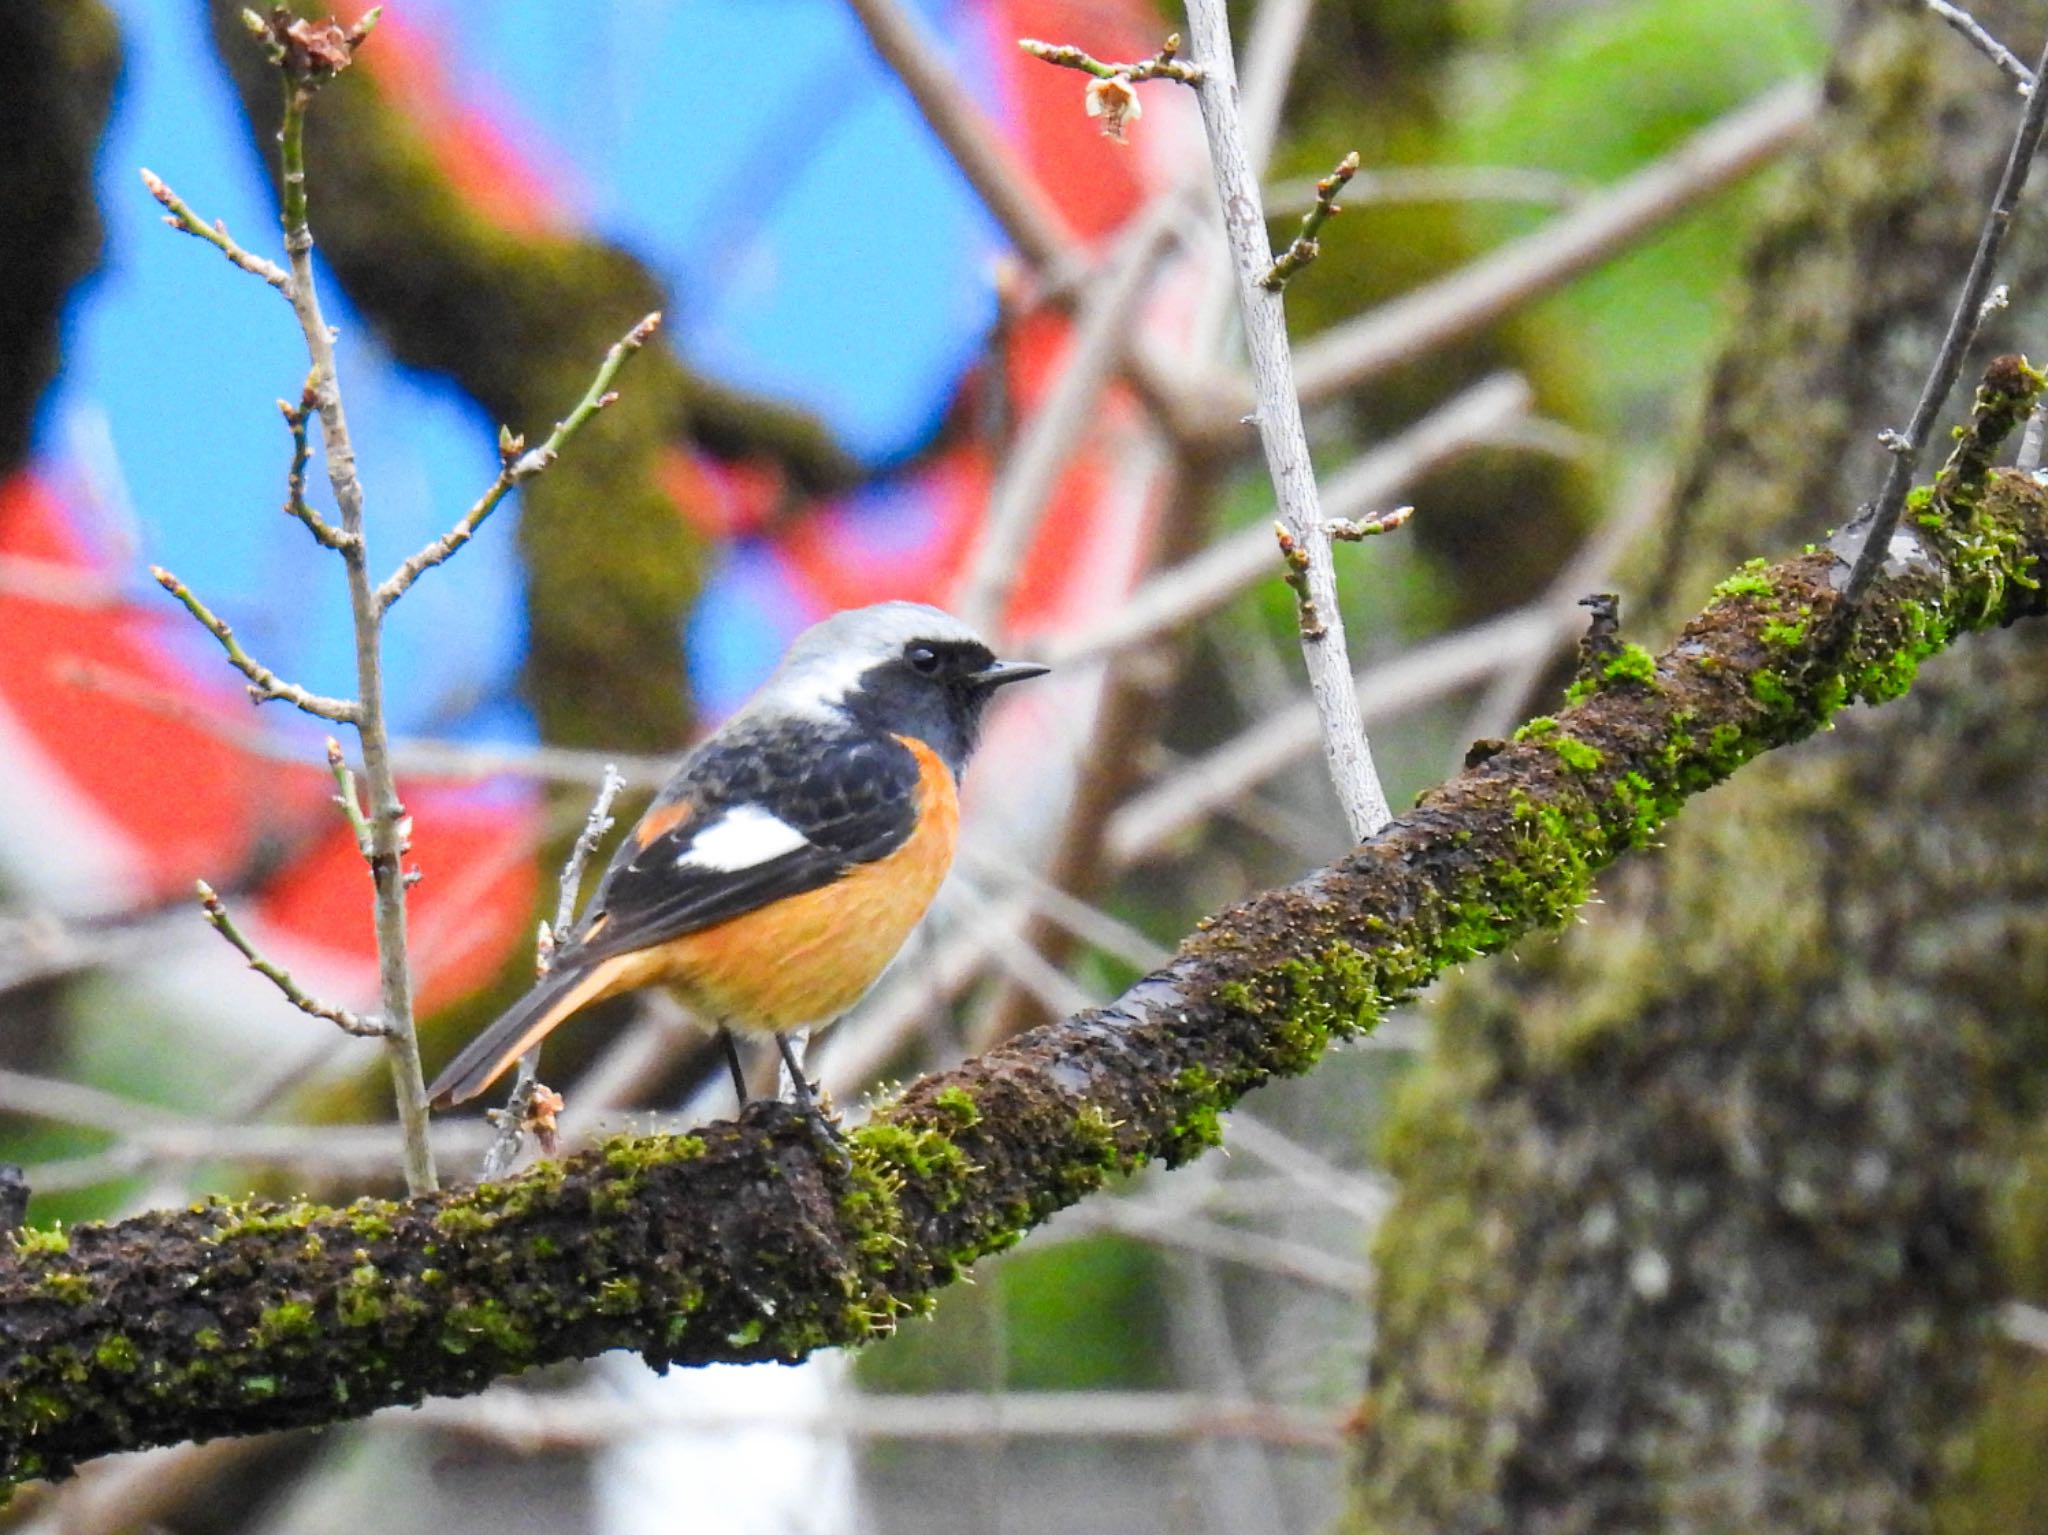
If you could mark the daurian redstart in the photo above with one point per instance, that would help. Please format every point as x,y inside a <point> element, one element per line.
<point>783,865</point>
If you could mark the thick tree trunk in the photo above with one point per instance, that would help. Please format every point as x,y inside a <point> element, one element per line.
<point>1699,1219</point>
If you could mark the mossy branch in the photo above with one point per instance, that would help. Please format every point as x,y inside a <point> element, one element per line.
<point>745,1243</point>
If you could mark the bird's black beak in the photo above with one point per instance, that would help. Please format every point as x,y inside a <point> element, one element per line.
<point>1002,673</point>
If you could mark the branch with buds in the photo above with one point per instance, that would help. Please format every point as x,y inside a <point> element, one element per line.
<point>349,1023</point>
<point>1111,95</point>
<point>517,465</point>
<point>1306,246</point>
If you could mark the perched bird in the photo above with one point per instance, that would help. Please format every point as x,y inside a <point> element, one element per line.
<point>783,865</point>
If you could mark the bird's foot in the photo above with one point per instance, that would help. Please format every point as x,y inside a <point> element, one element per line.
<point>808,1096</point>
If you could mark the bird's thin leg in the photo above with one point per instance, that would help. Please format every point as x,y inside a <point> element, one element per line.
<point>733,1063</point>
<point>805,1101</point>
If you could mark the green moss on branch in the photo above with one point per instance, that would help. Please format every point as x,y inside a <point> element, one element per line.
<point>744,1243</point>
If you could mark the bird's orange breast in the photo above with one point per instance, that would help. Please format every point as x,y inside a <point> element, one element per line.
<point>799,963</point>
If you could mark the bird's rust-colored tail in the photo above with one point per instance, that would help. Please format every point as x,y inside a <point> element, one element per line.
<point>525,1024</point>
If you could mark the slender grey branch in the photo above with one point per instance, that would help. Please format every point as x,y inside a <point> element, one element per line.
<point>345,796</point>
<point>1907,448</point>
<point>1279,422</point>
<point>517,465</point>
<point>183,219</point>
<point>295,419</point>
<point>1984,43</point>
<point>1163,65</point>
<point>264,684</point>
<point>348,1022</point>
<point>301,70</point>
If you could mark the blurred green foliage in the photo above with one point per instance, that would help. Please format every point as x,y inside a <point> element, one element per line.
<point>1599,92</point>
<point>1075,1315</point>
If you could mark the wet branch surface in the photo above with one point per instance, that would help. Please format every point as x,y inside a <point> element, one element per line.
<point>745,1242</point>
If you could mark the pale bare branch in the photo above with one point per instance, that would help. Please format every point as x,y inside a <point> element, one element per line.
<point>349,1023</point>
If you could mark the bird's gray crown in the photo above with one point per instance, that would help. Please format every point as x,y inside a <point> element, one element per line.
<point>826,661</point>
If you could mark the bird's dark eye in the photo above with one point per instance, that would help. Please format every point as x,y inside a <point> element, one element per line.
<point>923,658</point>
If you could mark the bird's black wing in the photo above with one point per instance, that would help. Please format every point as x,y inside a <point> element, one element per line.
<point>747,821</point>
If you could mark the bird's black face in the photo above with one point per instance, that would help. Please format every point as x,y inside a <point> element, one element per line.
<point>935,690</point>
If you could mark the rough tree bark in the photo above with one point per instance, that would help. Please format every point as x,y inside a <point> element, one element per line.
<point>747,1242</point>
<point>1700,1203</point>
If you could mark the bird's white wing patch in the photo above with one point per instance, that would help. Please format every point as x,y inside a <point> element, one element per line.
<point>742,838</point>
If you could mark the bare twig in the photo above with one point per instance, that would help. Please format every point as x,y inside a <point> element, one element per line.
<point>531,1106</point>
<point>1305,246</point>
<point>1163,65</point>
<point>345,796</point>
<point>1883,518</point>
<point>1981,39</point>
<point>517,464</point>
<point>1295,566</point>
<point>264,684</point>
<point>1354,530</point>
<point>1280,425</point>
<point>295,418</point>
<point>348,1022</point>
<point>595,826</point>
<point>1110,95</point>
<point>307,55</point>
<point>183,219</point>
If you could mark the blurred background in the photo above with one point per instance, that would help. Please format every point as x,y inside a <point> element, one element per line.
<point>1013,388</point>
